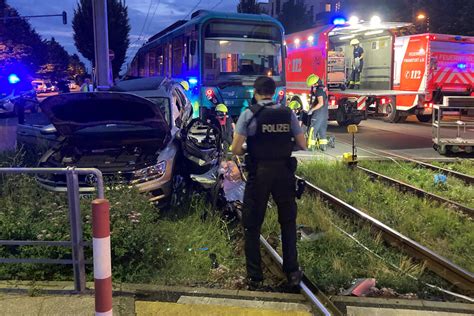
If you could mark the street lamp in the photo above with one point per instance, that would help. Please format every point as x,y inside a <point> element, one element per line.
<point>424,18</point>
<point>421,16</point>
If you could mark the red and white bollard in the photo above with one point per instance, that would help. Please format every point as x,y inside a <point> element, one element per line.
<point>102,257</point>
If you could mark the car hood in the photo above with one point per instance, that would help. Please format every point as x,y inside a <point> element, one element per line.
<point>71,112</point>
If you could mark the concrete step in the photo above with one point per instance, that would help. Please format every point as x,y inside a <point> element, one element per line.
<point>205,306</point>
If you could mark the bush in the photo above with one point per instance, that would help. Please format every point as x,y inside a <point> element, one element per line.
<point>31,213</point>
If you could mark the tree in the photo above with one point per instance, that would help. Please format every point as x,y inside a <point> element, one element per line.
<point>76,68</point>
<point>118,27</point>
<point>295,17</point>
<point>19,42</point>
<point>56,62</point>
<point>249,6</point>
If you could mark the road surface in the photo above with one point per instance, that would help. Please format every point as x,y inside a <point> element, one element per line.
<point>410,138</point>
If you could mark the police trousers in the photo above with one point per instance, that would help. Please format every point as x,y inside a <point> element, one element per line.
<point>278,179</point>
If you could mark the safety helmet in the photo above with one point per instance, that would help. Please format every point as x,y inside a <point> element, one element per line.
<point>185,85</point>
<point>221,108</point>
<point>294,105</point>
<point>355,41</point>
<point>312,80</point>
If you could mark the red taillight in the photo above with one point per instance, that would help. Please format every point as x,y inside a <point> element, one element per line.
<point>209,93</point>
<point>333,102</point>
<point>428,105</point>
<point>281,93</point>
<point>383,101</point>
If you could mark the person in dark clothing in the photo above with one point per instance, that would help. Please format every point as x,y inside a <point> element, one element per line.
<point>63,86</point>
<point>357,66</point>
<point>319,113</point>
<point>269,129</point>
<point>226,124</point>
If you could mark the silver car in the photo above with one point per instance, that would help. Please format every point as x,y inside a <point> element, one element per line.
<point>128,134</point>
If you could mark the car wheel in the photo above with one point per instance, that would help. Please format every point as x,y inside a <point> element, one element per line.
<point>423,118</point>
<point>393,116</point>
<point>341,117</point>
<point>179,191</point>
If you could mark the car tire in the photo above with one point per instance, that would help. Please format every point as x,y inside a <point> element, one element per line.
<point>423,118</point>
<point>393,115</point>
<point>341,117</point>
<point>179,191</point>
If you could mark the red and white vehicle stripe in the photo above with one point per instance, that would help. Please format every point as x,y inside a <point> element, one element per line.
<point>102,257</point>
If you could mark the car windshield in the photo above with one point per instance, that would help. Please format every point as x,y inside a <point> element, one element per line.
<point>227,58</point>
<point>239,51</point>
<point>164,105</point>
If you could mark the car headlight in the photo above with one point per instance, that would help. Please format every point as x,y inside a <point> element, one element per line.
<point>152,172</point>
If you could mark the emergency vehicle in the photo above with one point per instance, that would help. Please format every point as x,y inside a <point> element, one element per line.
<point>402,75</point>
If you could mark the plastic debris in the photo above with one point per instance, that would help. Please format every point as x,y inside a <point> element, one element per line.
<point>360,287</point>
<point>440,178</point>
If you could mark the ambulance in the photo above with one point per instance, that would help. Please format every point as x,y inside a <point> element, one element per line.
<point>403,74</point>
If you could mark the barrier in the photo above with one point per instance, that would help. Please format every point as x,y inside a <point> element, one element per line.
<point>102,257</point>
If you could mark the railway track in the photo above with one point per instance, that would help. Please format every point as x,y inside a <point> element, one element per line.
<point>444,268</point>
<point>402,186</point>
<point>321,304</point>
<point>468,179</point>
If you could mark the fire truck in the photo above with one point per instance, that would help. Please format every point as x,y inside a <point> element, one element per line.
<point>403,75</point>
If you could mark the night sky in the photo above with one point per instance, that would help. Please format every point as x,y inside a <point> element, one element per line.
<point>167,12</point>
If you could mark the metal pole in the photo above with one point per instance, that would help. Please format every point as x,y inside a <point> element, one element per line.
<point>76,231</point>
<point>102,257</point>
<point>101,44</point>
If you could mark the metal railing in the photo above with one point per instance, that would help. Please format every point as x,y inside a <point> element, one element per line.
<point>76,243</point>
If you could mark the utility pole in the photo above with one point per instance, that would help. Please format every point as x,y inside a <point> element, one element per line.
<point>101,44</point>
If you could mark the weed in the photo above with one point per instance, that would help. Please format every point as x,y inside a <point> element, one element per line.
<point>443,230</point>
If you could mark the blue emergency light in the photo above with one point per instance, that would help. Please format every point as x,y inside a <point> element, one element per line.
<point>339,21</point>
<point>13,79</point>
<point>461,66</point>
<point>193,81</point>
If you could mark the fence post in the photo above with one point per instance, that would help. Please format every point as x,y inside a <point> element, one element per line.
<point>76,231</point>
<point>102,257</point>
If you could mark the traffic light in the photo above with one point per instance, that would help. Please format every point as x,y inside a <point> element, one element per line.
<point>64,17</point>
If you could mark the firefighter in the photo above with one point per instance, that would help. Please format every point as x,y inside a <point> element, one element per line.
<point>357,64</point>
<point>226,123</point>
<point>319,112</point>
<point>296,107</point>
<point>269,128</point>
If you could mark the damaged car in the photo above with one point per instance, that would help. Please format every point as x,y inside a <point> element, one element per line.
<point>130,138</point>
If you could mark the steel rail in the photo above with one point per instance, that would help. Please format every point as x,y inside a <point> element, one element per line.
<point>317,298</point>
<point>464,177</point>
<point>436,263</point>
<point>419,192</point>
<point>323,304</point>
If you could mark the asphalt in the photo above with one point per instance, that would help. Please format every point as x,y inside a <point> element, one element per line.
<point>412,138</point>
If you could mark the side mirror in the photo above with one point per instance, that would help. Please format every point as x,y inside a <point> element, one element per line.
<point>192,47</point>
<point>285,51</point>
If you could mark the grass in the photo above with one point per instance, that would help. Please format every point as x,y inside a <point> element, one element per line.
<point>148,246</point>
<point>454,189</point>
<point>464,166</point>
<point>444,231</point>
<point>333,260</point>
<point>192,241</point>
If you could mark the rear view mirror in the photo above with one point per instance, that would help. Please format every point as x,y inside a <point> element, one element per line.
<point>192,47</point>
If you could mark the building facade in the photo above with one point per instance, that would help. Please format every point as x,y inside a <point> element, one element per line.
<point>318,9</point>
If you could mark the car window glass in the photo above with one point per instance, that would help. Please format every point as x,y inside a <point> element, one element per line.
<point>178,103</point>
<point>164,105</point>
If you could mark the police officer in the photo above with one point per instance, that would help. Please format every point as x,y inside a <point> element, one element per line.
<point>319,112</point>
<point>358,64</point>
<point>269,129</point>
